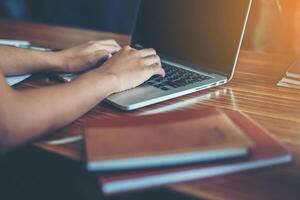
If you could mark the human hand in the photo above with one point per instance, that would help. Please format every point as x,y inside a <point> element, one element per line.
<point>132,67</point>
<point>86,56</point>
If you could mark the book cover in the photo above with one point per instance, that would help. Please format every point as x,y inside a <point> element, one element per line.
<point>288,85</point>
<point>185,137</point>
<point>294,69</point>
<point>265,151</point>
<point>292,81</point>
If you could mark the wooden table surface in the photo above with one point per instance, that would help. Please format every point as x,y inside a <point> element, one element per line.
<point>253,91</point>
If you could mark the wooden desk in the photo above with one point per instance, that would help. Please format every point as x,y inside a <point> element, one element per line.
<point>252,91</point>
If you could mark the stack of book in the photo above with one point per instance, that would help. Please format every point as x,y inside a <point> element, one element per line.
<point>292,77</point>
<point>133,153</point>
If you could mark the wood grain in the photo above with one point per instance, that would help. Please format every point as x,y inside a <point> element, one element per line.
<point>253,91</point>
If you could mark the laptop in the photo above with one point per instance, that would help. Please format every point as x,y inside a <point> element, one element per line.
<point>198,42</point>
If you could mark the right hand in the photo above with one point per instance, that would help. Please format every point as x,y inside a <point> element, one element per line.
<point>133,67</point>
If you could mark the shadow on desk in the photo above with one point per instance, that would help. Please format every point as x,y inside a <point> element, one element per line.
<point>32,174</point>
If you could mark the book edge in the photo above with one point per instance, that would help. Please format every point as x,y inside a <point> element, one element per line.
<point>167,160</point>
<point>134,184</point>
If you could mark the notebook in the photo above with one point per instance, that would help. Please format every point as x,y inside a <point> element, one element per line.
<point>294,69</point>
<point>292,76</point>
<point>185,137</point>
<point>266,151</point>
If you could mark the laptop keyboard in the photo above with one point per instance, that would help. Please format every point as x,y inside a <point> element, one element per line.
<point>175,77</point>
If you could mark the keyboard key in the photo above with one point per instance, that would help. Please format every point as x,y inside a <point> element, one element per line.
<point>172,84</point>
<point>175,78</point>
<point>165,88</point>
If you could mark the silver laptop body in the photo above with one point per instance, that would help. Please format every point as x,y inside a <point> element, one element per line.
<point>200,37</point>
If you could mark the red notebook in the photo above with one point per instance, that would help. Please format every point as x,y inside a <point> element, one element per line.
<point>292,76</point>
<point>163,140</point>
<point>294,69</point>
<point>266,151</point>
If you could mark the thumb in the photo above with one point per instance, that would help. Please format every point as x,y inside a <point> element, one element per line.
<point>157,70</point>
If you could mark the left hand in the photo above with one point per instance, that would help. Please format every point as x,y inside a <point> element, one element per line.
<point>86,56</point>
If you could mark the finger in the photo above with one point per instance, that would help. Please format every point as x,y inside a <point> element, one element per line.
<point>112,42</point>
<point>110,48</point>
<point>151,60</point>
<point>146,52</point>
<point>157,70</point>
<point>103,42</point>
<point>128,48</point>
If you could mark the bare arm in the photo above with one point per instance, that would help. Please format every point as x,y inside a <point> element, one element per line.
<point>24,116</point>
<point>16,61</point>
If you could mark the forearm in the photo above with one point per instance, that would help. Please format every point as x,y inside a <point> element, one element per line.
<point>24,116</point>
<point>30,114</point>
<point>16,61</point>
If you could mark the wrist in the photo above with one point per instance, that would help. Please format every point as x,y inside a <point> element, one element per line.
<point>106,82</point>
<point>56,62</point>
<point>112,79</point>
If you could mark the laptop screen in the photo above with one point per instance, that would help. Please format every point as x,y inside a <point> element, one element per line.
<point>205,33</point>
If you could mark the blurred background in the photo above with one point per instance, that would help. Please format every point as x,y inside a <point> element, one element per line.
<point>274,25</point>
